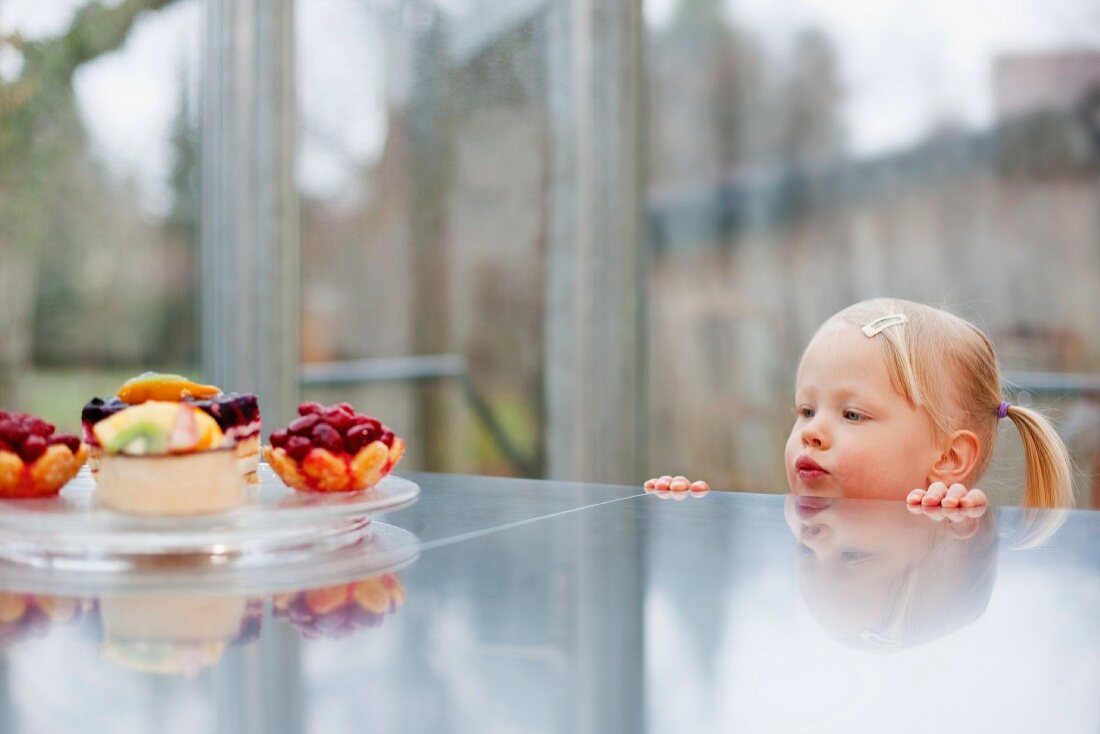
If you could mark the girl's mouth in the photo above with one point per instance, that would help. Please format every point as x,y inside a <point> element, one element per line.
<point>808,506</point>
<point>809,470</point>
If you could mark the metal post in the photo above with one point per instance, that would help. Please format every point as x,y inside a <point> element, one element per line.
<point>250,233</point>
<point>595,322</point>
<point>595,345</point>
<point>250,279</point>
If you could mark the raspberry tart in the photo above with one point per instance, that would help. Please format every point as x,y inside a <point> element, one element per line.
<point>35,461</point>
<point>338,611</point>
<point>237,414</point>
<point>25,616</point>
<point>333,449</point>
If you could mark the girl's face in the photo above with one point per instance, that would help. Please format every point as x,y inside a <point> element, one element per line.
<point>852,553</point>
<point>854,435</point>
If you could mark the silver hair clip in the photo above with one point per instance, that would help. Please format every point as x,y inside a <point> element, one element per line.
<point>884,322</point>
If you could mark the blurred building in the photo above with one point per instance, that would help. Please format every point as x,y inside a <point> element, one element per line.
<point>1057,81</point>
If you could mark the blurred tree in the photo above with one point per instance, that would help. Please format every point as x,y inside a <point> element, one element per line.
<point>177,335</point>
<point>40,140</point>
<point>811,127</point>
<point>719,104</point>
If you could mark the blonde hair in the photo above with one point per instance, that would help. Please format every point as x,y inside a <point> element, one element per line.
<point>946,365</point>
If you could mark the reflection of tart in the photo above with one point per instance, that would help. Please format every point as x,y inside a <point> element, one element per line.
<point>237,415</point>
<point>165,458</point>
<point>174,633</point>
<point>333,449</point>
<point>337,611</point>
<point>34,460</point>
<point>29,615</point>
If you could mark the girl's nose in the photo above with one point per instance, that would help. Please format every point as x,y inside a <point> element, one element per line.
<point>815,435</point>
<point>815,536</point>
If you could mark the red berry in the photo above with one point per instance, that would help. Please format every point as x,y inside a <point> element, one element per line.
<point>279,438</point>
<point>327,437</point>
<point>302,426</point>
<point>39,427</point>
<point>67,440</point>
<point>32,448</point>
<point>298,447</point>
<point>338,419</point>
<point>309,408</point>
<point>358,437</point>
<point>5,446</point>
<point>346,408</point>
<point>13,431</point>
<point>374,424</point>
<point>387,437</point>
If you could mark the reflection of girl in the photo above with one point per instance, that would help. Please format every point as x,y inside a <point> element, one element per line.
<point>879,577</point>
<point>898,400</point>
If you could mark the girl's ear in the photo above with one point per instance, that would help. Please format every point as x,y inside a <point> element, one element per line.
<point>959,457</point>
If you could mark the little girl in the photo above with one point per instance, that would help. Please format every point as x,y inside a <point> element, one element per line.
<point>881,578</point>
<point>895,399</point>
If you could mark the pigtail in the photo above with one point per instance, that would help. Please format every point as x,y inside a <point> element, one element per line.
<point>1049,471</point>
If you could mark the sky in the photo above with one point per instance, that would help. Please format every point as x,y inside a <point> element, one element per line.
<point>907,65</point>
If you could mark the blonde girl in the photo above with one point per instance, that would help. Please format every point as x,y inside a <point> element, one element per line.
<point>899,400</point>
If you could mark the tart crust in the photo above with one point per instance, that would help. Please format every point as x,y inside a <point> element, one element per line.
<point>188,484</point>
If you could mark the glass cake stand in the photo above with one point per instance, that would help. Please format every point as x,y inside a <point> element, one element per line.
<point>278,526</point>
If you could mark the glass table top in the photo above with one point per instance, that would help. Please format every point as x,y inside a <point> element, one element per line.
<point>528,606</point>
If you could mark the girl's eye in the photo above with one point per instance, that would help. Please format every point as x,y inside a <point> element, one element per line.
<point>805,412</point>
<point>854,555</point>
<point>853,415</point>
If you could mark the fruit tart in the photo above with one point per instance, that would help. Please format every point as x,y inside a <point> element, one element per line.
<point>338,611</point>
<point>24,616</point>
<point>166,458</point>
<point>35,461</point>
<point>333,449</point>
<point>237,414</point>
<point>176,634</point>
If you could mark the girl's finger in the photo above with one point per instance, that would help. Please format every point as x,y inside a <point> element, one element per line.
<point>915,497</point>
<point>700,487</point>
<point>934,495</point>
<point>934,512</point>
<point>954,494</point>
<point>679,484</point>
<point>663,483</point>
<point>974,498</point>
<point>650,484</point>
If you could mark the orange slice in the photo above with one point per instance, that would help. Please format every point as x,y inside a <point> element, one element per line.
<point>156,386</point>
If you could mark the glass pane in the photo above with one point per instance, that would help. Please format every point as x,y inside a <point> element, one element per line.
<point>806,155</point>
<point>98,134</point>
<point>422,169</point>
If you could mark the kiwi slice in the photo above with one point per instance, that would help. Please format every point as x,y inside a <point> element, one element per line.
<point>140,438</point>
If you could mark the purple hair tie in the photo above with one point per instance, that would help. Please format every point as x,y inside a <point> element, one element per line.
<point>1002,409</point>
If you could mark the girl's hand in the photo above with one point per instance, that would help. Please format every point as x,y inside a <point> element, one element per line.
<point>677,487</point>
<point>940,495</point>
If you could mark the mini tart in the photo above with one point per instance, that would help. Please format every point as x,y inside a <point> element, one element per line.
<point>43,477</point>
<point>35,461</point>
<point>333,449</point>
<point>170,634</point>
<point>199,483</point>
<point>335,611</point>
<point>323,471</point>
<point>237,414</point>
<point>24,616</point>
